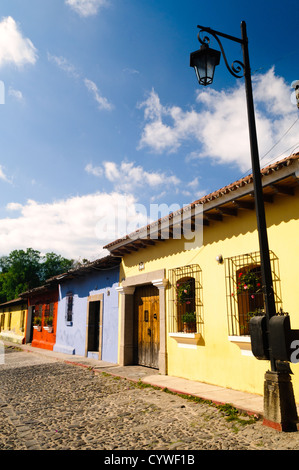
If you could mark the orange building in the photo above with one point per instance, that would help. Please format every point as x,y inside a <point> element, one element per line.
<point>42,316</point>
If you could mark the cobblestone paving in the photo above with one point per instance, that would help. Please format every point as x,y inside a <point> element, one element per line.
<point>47,404</point>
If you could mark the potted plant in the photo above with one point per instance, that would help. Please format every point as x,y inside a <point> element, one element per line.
<point>48,321</point>
<point>189,322</point>
<point>37,323</point>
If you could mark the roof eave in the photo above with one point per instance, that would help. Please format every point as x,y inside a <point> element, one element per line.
<point>227,201</point>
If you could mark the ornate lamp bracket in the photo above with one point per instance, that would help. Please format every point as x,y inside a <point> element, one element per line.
<point>237,69</point>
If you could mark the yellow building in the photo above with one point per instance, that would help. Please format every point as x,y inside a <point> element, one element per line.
<point>165,278</point>
<point>13,316</point>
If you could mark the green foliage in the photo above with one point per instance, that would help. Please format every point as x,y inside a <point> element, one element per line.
<point>189,317</point>
<point>23,270</point>
<point>248,282</point>
<point>184,293</point>
<point>53,264</point>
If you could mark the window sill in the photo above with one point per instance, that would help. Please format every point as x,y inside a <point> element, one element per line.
<point>243,342</point>
<point>186,340</point>
<point>184,335</point>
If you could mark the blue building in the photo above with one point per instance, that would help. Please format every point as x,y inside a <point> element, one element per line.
<point>87,319</point>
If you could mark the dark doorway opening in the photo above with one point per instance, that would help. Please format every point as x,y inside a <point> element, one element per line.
<point>93,342</point>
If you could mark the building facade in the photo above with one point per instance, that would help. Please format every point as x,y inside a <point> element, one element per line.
<point>13,317</point>
<point>185,305</point>
<point>87,323</point>
<point>42,316</point>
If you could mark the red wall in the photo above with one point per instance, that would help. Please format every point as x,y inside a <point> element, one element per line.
<point>44,339</point>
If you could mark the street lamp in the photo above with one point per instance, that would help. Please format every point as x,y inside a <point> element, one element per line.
<point>204,62</point>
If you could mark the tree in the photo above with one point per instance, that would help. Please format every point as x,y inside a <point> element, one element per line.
<point>53,264</point>
<point>23,270</point>
<point>20,272</point>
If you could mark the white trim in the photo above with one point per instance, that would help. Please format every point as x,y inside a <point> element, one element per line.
<point>185,335</point>
<point>240,339</point>
<point>160,283</point>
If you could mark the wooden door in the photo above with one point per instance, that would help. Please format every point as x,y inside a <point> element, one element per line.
<point>147,316</point>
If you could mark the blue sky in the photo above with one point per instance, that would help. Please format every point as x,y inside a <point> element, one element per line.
<point>103,122</point>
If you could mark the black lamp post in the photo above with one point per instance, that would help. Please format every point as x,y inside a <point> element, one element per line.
<point>204,62</point>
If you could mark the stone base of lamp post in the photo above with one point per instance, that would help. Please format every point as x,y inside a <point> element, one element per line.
<point>280,410</point>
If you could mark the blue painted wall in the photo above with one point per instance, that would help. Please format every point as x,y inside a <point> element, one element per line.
<point>70,339</point>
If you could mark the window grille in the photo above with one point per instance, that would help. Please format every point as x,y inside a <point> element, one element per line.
<point>40,311</point>
<point>244,290</point>
<point>185,299</point>
<point>48,313</point>
<point>69,308</point>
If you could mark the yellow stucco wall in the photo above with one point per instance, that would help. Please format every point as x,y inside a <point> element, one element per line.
<point>215,359</point>
<point>16,315</point>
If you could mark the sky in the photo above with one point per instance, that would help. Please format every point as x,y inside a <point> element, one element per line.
<point>103,126</point>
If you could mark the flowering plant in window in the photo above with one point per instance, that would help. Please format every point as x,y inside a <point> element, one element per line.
<point>248,282</point>
<point>184,293</point>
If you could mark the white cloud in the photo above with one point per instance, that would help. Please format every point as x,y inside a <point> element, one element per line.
<point>74,227</point>
<point>86,7</point>
<point>3,176</point>
<point>14,47</point>
<point>127,177</point>
<point>220,126</point>
<point>160,136</point>
<point>14,206</point>
<point>64,65</point>
<point>103,103</point>
<point>94,170</point>
<point>131,71</point>
<point>17,94</point>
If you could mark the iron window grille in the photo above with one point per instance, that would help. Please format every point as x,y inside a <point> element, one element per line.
<point>185,299</point>
<point>69,308</point>
<point>244,290</point>
<point>40,311</point>
<point>48,313</point>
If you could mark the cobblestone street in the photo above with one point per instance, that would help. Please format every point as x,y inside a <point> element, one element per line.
<point>50,405</point>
